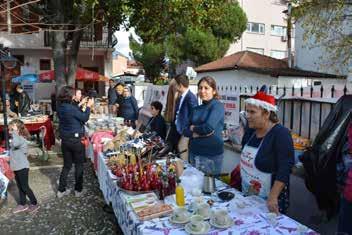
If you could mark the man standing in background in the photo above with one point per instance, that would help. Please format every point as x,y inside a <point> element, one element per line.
<point>184,104</point>
<point>112,96</point>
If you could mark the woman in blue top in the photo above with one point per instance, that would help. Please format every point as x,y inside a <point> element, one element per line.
<point>267,155</point>
<point>128,108</point>
<point>205,127</point>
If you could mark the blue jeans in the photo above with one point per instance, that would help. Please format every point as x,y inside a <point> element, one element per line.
<point>208,165</point>
<point>345,215</point>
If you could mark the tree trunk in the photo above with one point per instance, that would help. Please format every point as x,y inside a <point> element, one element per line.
<point>59,58</point>
<point>72,65</point>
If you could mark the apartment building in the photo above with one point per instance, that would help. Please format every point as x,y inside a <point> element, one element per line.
<point>266,28</point>
<point>32,46</point>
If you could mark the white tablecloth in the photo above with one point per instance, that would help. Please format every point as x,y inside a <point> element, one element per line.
<point>250,218</point>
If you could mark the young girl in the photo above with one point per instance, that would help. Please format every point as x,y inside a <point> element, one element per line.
<point>20,165</point>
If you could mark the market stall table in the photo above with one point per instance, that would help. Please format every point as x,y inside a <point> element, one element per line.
<point>35,124</point>
<point>250,215</point>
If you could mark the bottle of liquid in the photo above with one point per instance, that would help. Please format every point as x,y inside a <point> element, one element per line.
<point>180,194</point>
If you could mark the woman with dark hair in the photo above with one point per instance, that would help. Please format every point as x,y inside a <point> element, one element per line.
<point>156,123</point>
<point>71,127</point>
<point>205,127</point>
<point>267,153</point>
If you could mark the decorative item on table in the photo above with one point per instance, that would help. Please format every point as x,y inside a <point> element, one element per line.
<point>140,176</point>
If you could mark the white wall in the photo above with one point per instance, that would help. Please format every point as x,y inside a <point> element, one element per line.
<point>268,13</point>
<point>240,78</point>
<point>313,57</point>
<point>35,40</point>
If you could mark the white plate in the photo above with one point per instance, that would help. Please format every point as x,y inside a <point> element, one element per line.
<point>214,224</point>
<point>186,220</point>
<point>205,230</point>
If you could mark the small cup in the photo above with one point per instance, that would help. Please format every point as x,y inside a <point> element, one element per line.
<point>203,209</point>
<point>221,217</point>
<point>179,214</point>
<point>272,218</point>
<point>196,223</point>
<point>196,192</point>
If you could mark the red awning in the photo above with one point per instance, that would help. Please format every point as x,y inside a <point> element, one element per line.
<point>81,75</point>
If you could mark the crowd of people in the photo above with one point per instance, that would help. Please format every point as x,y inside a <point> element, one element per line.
<point>195,130</point>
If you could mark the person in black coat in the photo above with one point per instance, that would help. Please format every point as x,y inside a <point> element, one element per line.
<point>128,108</point>
<point>71,129</point>
<point>112,95</point>
<point>156,123</point>
<point>119,88</point>
<point>22,100</point>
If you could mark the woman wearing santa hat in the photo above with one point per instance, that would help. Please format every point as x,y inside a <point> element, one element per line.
<point>267,155</point>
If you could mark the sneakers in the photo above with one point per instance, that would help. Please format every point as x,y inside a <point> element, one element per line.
<point>20,208</point>
<point>78,194</point>
<point>64,193</point>
<point>33,208</point>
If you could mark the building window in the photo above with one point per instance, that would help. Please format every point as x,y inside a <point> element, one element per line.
<point>278,54</point>
<point>45,64</point>
<point>257,50</point>
<point>277,30</point>
<point>255,27</point>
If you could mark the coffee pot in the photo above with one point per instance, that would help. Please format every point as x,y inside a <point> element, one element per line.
<point>209,184</point>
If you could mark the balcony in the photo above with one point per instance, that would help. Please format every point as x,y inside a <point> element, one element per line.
<point>89,40</point>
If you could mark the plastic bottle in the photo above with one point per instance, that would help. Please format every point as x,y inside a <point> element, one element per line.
<point>180,195</point>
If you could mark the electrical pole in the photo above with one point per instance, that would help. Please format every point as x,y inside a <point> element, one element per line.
<point>289,28</point>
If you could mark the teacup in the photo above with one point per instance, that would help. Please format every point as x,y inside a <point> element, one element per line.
<point>203,209</point>
<point>179,214</point>
<point>196,223</point>
<point>196,192</point>
<point>195,203</point>
<point>220,217</point>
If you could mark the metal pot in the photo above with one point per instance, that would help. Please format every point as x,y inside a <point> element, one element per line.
<point>209,184</point>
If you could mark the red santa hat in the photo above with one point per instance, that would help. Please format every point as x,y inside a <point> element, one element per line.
<point>263,100</point>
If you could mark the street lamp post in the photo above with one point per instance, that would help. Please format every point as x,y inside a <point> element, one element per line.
<point>6,62</point>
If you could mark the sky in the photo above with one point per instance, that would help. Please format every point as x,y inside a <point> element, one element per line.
<point>122,45</point>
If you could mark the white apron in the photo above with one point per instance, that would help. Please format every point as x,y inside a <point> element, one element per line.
<point>254,181</point>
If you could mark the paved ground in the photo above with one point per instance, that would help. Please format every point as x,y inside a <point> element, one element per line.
<point>69,215</point>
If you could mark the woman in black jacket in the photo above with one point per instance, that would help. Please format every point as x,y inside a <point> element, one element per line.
<point>71,128</point>
<point>128,108</point>
<point>156,123</point>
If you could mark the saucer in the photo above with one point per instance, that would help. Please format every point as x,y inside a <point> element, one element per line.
<point>204,217</point>
<point>205,230</point>
<point>214,224</point>
<point>185,220</point>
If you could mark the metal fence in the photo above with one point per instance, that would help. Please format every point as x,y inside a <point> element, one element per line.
<point>302,110</point>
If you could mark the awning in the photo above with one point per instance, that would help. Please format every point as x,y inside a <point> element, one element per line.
<point>81,75</point>
<point>28,77</point>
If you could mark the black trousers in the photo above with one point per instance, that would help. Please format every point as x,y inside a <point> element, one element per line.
<point>21,177</point>
<point>74,152</point>
<point>173,137</point>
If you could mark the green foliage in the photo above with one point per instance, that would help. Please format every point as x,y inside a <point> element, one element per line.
<point>199,30</point>
<point>327,23</point>
<point>151,55</point>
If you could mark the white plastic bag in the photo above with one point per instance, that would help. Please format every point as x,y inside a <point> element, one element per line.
<point>4,181</point>
<point>192,179</point>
